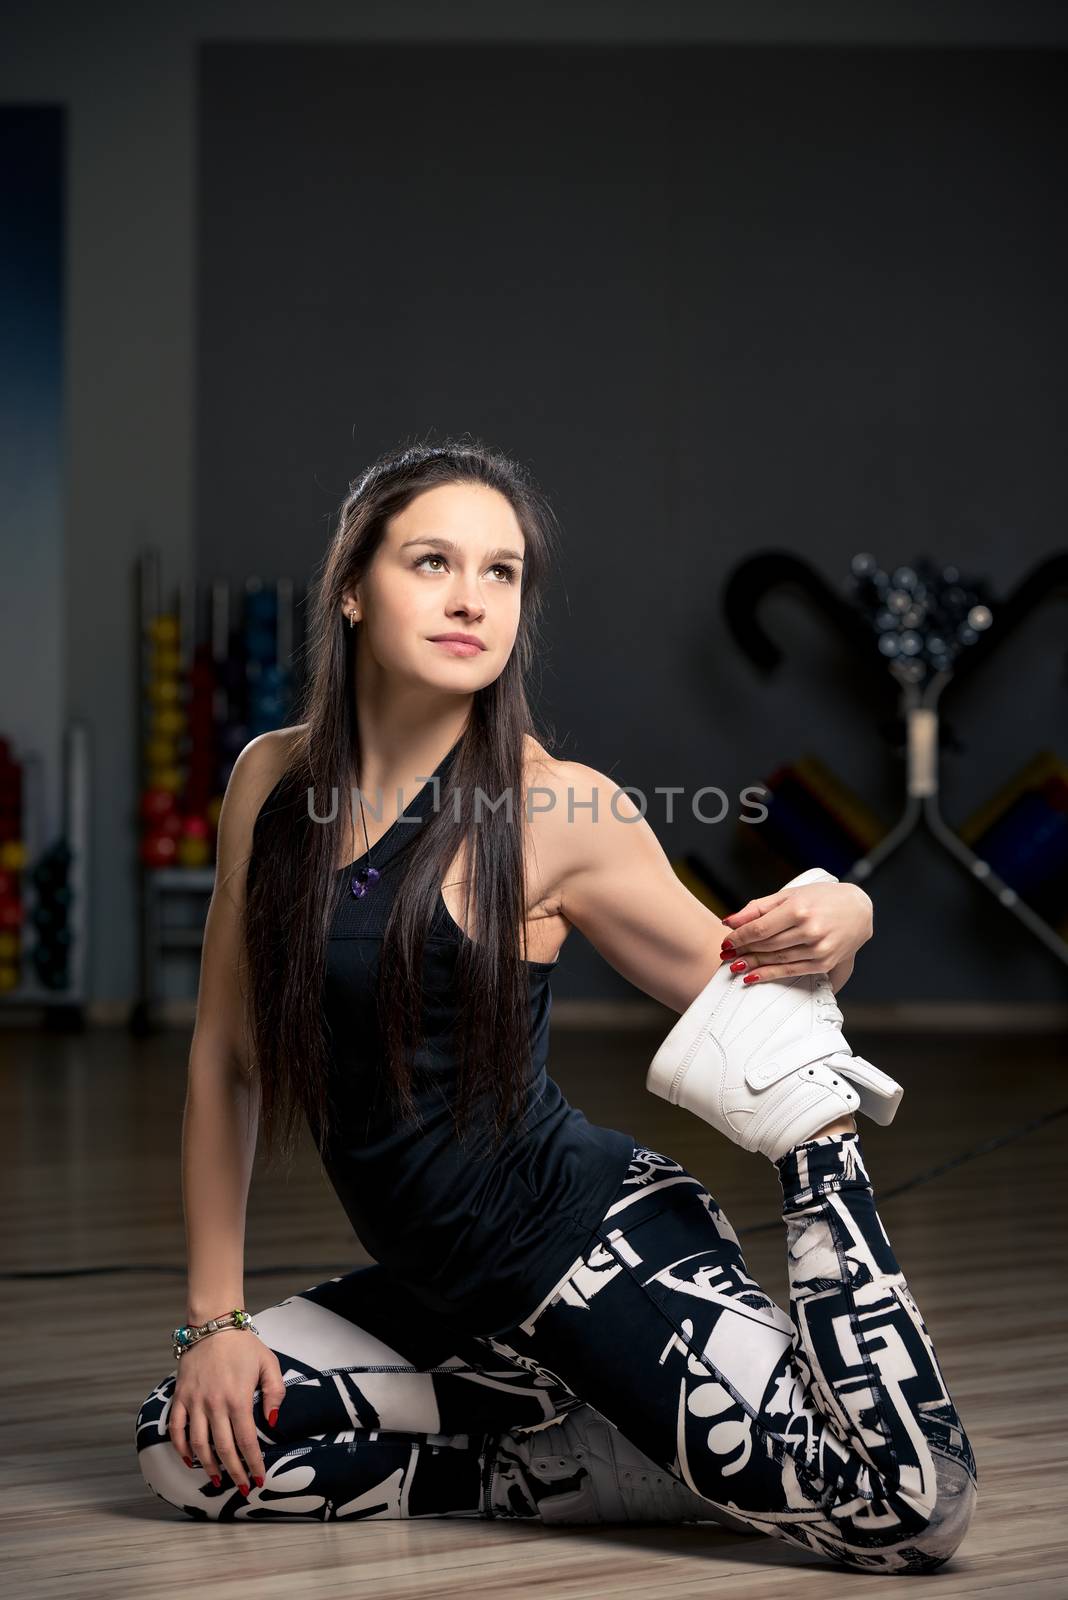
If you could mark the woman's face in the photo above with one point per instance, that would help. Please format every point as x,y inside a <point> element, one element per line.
<point>450,563</point>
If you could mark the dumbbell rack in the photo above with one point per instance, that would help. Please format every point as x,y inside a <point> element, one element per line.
<point>157,885</point>
<point>162,888</point>
<point>63,1007</point>
<point>754,578</point>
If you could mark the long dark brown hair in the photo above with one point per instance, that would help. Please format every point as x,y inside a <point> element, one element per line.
<point>292,891</point>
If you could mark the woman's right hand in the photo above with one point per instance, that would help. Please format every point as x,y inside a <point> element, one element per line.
<point>211,1411</point>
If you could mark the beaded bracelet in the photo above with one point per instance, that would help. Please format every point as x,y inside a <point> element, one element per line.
<point>185,1337</point>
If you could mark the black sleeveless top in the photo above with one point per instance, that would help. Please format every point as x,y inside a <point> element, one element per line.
<point>480,1242</point>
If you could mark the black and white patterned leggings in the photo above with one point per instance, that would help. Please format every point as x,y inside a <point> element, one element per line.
<point>831,1428</point>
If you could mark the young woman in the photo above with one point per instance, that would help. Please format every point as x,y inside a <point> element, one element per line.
<point>560,1323</point>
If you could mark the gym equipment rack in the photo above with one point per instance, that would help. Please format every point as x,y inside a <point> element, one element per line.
<point>918,704</point>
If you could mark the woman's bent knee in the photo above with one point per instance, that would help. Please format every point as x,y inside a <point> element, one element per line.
<point>952,1514</point>
<point>165,1474</point>
<point>931,1546</point>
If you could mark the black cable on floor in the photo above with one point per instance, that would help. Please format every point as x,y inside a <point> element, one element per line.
<point>332,1270</point>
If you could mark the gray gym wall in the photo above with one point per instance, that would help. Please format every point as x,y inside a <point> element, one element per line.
<point>726,276</point>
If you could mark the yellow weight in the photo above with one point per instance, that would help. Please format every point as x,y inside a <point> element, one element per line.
<point>165,629</point>
<point>193,852</point>
<point>161,753</point>
<point>167,720</point>
<point>169,778</point>
<point>166,662</point>
<point>164,691</point>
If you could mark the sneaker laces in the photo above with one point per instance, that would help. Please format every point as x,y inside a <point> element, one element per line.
<point>827,1011</point>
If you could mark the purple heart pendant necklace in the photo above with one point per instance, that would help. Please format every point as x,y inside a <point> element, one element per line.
<point>364,878</point>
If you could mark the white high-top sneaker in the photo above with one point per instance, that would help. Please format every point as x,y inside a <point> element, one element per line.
<point>767,1063</point>
<point>579,1468</point>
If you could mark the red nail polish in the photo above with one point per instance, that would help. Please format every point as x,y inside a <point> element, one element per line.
<point>244,1489</point>
<point>258,1480</point>
<point>273,1418</point>
<point>726,945</point>
<point>737,966</point>
<point>216,1480</point>
<point>751,977</point>
<point>188,1460</point>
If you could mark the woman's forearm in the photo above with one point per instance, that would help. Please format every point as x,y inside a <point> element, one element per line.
<point>839,974</point>
<point>218,1147</point>
<point>844,970</point>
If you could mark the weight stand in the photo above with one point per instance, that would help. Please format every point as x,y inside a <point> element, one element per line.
<point>920,709</point>
<point>755,577</point>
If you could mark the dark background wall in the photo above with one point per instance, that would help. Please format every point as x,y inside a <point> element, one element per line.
<point>32,144</point>
<point>801,293</point>
<point>721,298</point>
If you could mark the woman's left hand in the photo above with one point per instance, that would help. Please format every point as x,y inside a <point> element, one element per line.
<point>814,927</point>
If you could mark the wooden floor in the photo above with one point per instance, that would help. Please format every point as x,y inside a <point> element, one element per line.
<point>90,1175</point>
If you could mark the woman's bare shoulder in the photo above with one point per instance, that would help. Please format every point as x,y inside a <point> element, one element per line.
<point>575,811</point>
<point>265,758</point>
<point>257,769</point>
<point>535,756</point>
<point>576,781</point>
<point>544,771</point>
